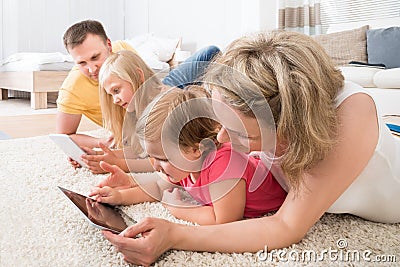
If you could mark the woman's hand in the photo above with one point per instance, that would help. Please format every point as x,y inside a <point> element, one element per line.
<point>117,179</point>
<point>93,158</point>
<point>156,237</point>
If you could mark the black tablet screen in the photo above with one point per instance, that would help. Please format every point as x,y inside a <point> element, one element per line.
<point>101,215</point>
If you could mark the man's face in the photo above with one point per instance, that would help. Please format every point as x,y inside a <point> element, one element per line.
<point>90,55</point>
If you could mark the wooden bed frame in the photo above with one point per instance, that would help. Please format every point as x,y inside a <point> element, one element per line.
<point>38,83</point>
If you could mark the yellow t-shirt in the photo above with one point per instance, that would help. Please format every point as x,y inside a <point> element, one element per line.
<point>80,95</point>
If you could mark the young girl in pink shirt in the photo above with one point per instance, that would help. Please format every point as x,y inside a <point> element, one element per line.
<point>179,133</point>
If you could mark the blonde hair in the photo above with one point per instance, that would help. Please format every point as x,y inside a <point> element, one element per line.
<point>297,79</point>
<point>125,64</point>
<point>188,123</point>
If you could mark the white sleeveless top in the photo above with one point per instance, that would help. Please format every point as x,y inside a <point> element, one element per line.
<point>375,193</point>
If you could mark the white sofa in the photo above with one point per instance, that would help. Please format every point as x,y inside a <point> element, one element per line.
<point>382,84</point>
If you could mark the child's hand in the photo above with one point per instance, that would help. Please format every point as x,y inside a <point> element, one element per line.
<point>255,154</point>
<point>92,158</point>
<point>172,197</point>
<point>117,179</point>
<point>108,142</point>
<point>106,195</point>
<point>74,163</point>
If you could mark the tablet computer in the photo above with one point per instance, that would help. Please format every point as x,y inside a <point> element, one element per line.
<point>100,215</point>
<point>69,147</point>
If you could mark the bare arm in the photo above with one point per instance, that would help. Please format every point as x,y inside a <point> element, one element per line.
<point>228,198</point>
<point>115,157</point>
<point>323,185</point>
<point>68,124</point>
<point>133,165</point>
<point>145,192</point>
<point>139,165</point>
<point>149,191</point>
<point>128,196</point>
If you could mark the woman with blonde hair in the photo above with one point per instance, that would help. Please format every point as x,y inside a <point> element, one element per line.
<point>127,85</point>
<point>333,152</point>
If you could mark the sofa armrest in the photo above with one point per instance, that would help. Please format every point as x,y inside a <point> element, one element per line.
<point>387,78</point>
<point>363,76</point>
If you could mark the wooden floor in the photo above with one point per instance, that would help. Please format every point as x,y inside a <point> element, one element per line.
<point>21,126</point>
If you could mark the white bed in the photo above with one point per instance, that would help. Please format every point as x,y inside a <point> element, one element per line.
<point>35,73</point>
<point>41,73</point>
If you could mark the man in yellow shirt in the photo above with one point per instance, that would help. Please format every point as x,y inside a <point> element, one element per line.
<point>89,46</point>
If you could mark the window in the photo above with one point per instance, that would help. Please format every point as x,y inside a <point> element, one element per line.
<point>344,11</point>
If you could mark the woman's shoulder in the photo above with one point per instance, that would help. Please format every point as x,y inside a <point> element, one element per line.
<point>360,105</point>
<point>350,90</point>
<point>357,138</point>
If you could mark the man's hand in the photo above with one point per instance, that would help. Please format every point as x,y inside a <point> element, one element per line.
<point>74,163</point>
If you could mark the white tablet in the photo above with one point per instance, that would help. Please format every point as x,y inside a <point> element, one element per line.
<point>102,216</point>
<point>69,147</point>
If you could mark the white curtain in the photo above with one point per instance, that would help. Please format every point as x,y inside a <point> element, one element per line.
<point>300,16</point>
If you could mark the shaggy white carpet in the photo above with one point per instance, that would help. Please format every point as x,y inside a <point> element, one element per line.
<point>39,227</point>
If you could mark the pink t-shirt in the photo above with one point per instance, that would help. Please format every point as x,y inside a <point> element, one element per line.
<point>226,163</point>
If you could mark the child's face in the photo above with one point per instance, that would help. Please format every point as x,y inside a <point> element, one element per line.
<point>120,90</point>
<point>169,165</point>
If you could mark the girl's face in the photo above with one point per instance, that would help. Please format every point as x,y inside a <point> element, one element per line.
<point>242,131</point>
<point>169,165</point>
<point>120,90</point>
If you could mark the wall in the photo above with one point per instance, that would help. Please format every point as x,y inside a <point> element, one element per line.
<point>38,25</point>
<point>200,23</point>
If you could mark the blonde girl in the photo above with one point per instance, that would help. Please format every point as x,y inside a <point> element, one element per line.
<point>121,70</point>
<point>127,85</point>
<point>123,96</point>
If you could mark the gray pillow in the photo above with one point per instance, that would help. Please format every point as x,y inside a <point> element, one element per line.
<point>383,47</point>
<point>345,46</point>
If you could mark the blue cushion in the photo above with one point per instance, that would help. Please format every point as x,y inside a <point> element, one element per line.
<point>383,47</point>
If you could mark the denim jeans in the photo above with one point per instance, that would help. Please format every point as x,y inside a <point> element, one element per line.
<point>192,69</point>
